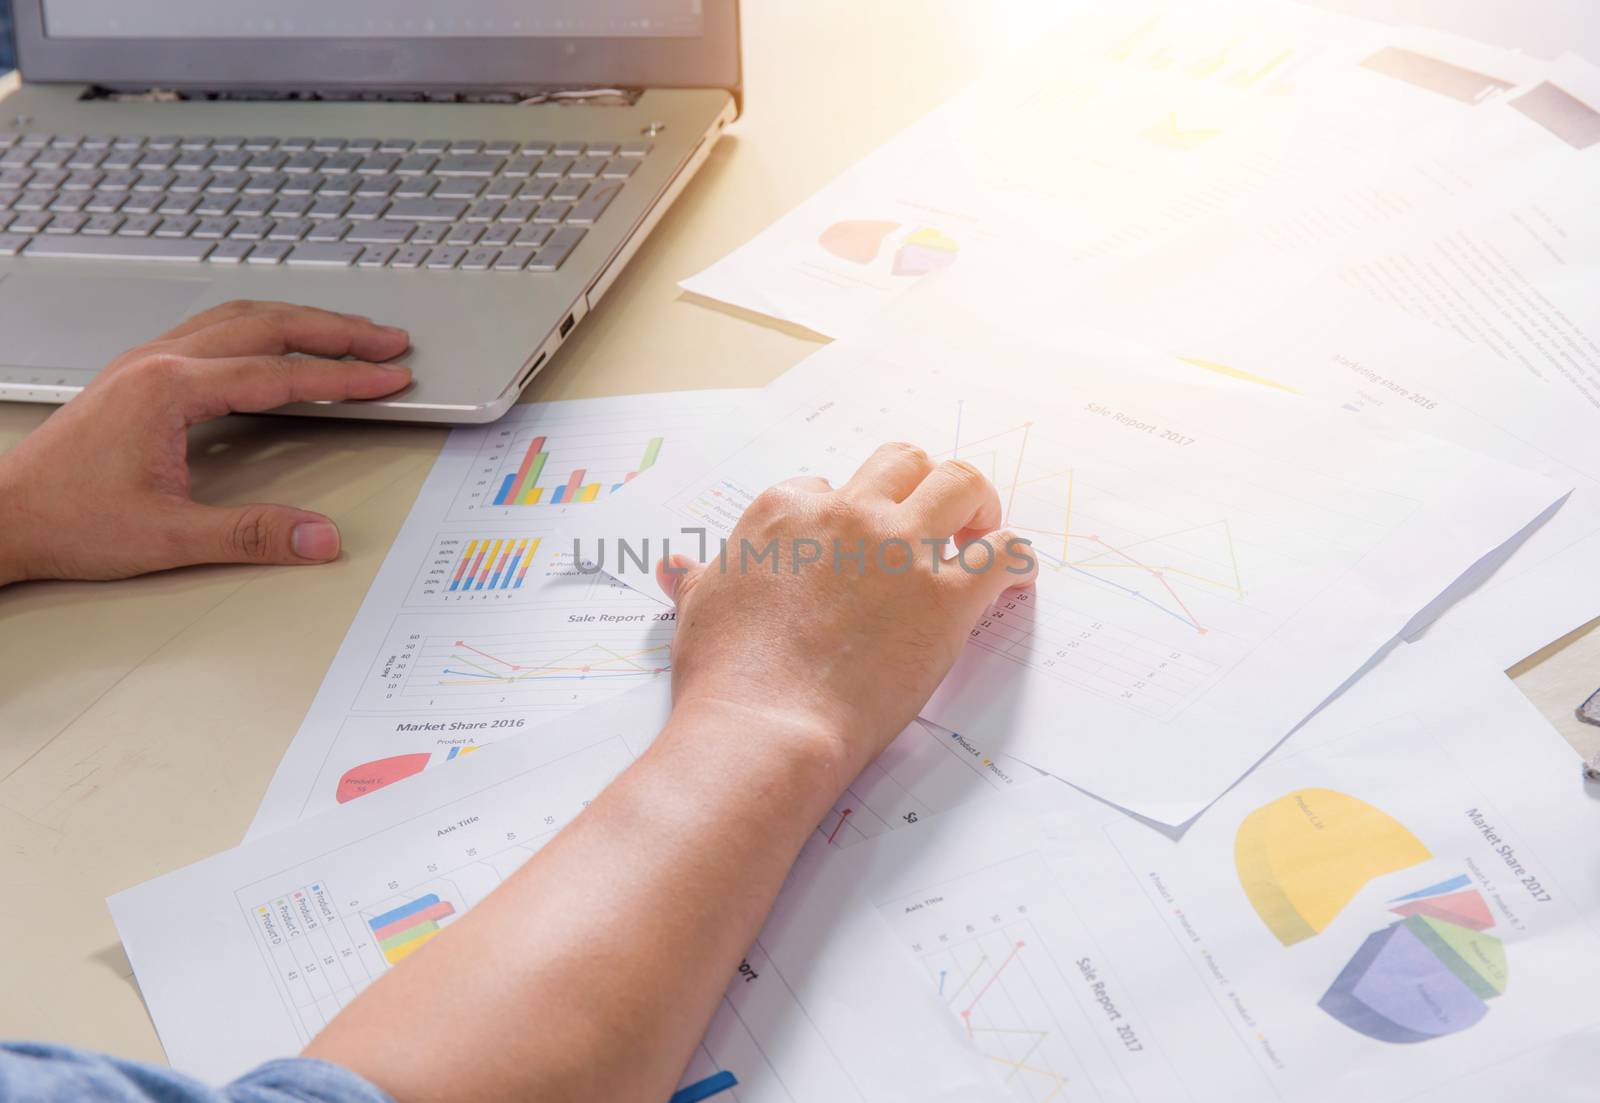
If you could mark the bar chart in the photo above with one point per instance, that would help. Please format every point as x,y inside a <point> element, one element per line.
<point>521,487</point>
<point>521,473</point>
<point>555,457</point>
<point>401,932</point>
<point>466,568</point>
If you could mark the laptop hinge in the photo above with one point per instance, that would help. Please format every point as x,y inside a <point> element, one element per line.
<point>601,97</point>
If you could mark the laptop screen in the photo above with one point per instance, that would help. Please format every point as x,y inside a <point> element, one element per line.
<point>374,19</point>
<point>405,45</point>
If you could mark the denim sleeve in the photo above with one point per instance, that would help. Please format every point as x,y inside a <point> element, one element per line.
<point>57,1074</point>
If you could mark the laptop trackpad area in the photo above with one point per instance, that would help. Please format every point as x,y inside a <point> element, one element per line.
<point>82,322</point>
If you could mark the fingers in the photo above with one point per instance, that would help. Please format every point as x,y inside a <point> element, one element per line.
<point>251,384</point>
<point>234,309</point>
<point>955,497</point>
<point>810,484</point>
<point>256,534</point>
<point>672,572</point>
<point>278,330</point>
<point>992,564</point>
<point>893,472</point>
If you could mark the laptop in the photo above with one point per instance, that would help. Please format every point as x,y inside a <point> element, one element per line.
<point>477,171</point>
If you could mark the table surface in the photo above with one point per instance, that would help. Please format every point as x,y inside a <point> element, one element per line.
<point>140,721</point>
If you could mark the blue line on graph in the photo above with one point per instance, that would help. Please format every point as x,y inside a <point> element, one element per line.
<point>715,1084</point>
<point>1107,582</point>
<point>941,982</point>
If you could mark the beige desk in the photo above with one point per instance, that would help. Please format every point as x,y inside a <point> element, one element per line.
<point>141,720</point>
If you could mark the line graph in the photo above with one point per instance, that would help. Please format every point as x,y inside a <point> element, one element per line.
<point>990,985</point>
<point>991,942</point>
<point>583,663</point>
<point>1083,550</point>
<point>537,658</point>
<point>1174,540</point>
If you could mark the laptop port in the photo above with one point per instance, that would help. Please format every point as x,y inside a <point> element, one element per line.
<point>527,376</point>
<point>566,326</point>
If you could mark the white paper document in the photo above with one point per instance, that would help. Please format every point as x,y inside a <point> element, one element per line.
<point>477,626</point>
<point>1213,566</point>
<point>245,956</point>
<point>1132,124</point>
<point>1398,906</point>
<point>1394,368</point>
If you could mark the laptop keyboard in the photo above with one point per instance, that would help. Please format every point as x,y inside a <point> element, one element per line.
<point>439,205</point>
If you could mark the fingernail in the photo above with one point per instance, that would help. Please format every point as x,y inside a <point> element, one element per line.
<point>315,540</point>
<point>398,369</point>
<point>396,331</point>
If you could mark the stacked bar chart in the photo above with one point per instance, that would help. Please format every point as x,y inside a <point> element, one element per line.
<point>402,931</point>
<point>464,568</point>
<point>521,487</point>
<point>493,563</point>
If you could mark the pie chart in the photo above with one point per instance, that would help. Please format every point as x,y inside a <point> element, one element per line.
<point>925,251</point>
<point>1303,857</point>
<point>856,240</point>
<point>358,781</point>
<point>1424,976</point>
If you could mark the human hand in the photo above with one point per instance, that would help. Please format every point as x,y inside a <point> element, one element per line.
<point>844,649</point>
<point>101,489</point>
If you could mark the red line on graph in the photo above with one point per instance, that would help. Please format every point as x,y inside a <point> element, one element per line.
<point>967,1014</point>
<point>485,654</point>
<point>842,817</point>
<point>1155,574</point>
<point>1011,496</point>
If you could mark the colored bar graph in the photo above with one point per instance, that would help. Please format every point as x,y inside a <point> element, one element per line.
<point>520,487</point>
<point>404,930</point>
<point>570,491</point>
<point>504,495</point>
<point>388,917</point>
<point>715,1084</point>
<point>489,564</point>
<point>511,568</point>
<point>415,919</point>
<point>527,560</point>
<point>532,467</point>
<point>500,565</point>
<point>461,567</point>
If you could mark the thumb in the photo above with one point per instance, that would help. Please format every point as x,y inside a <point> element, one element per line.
<point>993,564</point>
<point>673,575</point>
<point>259,534</point>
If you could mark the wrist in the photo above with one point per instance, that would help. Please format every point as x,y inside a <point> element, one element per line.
<point>791,741</point>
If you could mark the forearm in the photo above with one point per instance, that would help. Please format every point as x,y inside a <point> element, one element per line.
<point>16,522</point>
<point>592,973</point>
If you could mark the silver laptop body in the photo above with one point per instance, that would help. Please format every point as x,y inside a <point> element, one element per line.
<point>449,168</point>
